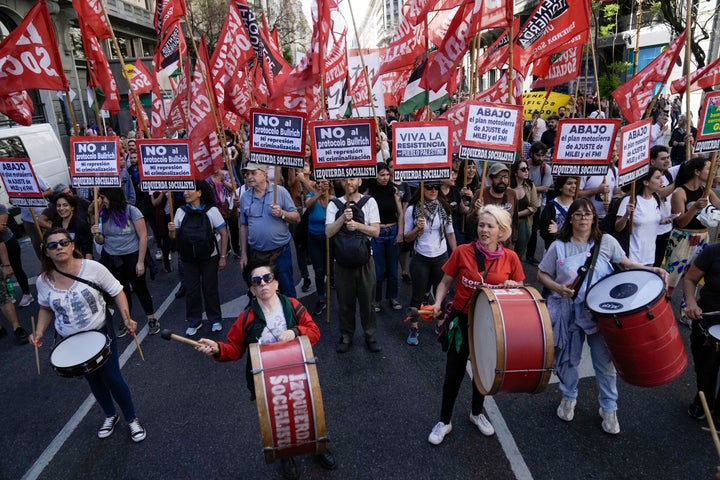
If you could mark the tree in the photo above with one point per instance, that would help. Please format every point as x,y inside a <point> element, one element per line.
<point>206,17</point>
<point>672,13</point>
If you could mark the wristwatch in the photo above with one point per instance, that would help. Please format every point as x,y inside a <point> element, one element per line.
<point>283,215</point>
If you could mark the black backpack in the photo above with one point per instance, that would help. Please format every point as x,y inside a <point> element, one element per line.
<point>352,249</point>
<point>195,240</point>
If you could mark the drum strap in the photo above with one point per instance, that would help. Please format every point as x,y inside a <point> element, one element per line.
<point>586,270</point>
<point>106,296</point>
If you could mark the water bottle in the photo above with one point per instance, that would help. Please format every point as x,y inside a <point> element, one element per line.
<point>10,287</point>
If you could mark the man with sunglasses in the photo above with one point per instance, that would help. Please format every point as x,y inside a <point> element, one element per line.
<point>264,225</point>
<point>499,194</point>
<point>355,284</point>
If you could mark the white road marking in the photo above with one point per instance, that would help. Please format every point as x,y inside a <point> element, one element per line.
<point>46,457</point>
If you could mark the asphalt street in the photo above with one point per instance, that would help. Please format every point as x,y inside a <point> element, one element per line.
<point>379,410</point>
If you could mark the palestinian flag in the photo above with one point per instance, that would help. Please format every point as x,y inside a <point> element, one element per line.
<point>416,97</point>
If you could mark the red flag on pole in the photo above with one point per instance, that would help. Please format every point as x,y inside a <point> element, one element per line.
<point>167,13</point>
<point>158,125</point>
<point>232,52</point>
<point>177,116</point>
<point>633,97</point>
<point>18,107</point>
<point>708,76</point>
<point>100,74</point>
<point>29,55</point>
<point>141,80</point>
<point>90,13</point>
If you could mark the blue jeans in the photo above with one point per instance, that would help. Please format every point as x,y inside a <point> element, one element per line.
<point>316,250</point>
<point>107,383</point>
<point>284,265</point>
<point>604,374</point>
<point>385,254</point>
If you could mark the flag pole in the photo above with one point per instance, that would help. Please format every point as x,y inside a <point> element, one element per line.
<point>125,74</point>
<point>688,77</point>
<point>367,83</point>
<point>636,49</point>
<point>68,102</point>
<point>212,99</point>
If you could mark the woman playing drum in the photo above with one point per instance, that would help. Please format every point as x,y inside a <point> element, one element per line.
<point>77,307</point>
<point>572,322</point>
<point>271,317</point>
<point>484,262</point>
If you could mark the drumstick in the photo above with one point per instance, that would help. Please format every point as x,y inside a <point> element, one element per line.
<point>708,416</point>
<point>37,352</point>
<point>169,335</point>
<point>137,342</point>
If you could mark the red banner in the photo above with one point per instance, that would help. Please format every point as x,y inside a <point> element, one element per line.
<point>708,76</point>
<point>565,68</point>
<point>633,97</point>
<point>141,80</point>
<point>90,13</point>
<point>200,121</point>
<point>100,74</point>
<point>18,107</point>
<point>231,54</point>
<point>406,46</point>
<point>29,56</point>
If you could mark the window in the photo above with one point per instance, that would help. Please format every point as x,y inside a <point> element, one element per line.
<point>12,147</point>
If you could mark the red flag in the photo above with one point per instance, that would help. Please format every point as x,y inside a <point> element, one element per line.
<point>176,118</point>
<point>100,73</point>
<point>405,47</point>
<point>549,26</point>
<point>134,112</point>
<point>565,68</point>
<point>90,12</point>
<point>416,11</point>
<point>633,97</point>
<point>498,92</point>
<point>497,54</point>
<point>258,81</point>
<point>200,122</point>
<point>708,76</point>
<point>29,55</point>
<point>141,80</point>
<point>167,13</point>
<point>231,54</point>
<point>158,123</point>
<point>208,156</point>
<point>394,84</point>
<point>17,106</point>
<point>237,98</point>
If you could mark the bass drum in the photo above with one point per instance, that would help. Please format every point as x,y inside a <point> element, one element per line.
<point>511,340</point>
<point>289,401</point>
<point>637,323</point>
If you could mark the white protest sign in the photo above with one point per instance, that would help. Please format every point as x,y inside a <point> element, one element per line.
<point>277,138</point>
<point>21,183</point>
<point>584,146</point>
<point>165,165</point>
<point>94,161</point>
<point>422,150</point>
<point>634,159</point>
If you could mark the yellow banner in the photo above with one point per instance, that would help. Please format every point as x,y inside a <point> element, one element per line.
<point>536,101</point>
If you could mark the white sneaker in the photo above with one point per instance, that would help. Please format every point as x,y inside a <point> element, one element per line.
<point>438,433</point>
<point>137,432</point>
<point>483,424</point>
<point>217,327</point>
<point>566,410</point>
<point>26,300</point>
<point>192,330</point>
<point>158,254</point>
<point>610,422</point>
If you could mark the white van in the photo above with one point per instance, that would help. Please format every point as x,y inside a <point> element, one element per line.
<point>40,144</point>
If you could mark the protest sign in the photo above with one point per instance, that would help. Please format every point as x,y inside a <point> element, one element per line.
<point>422,150</point>
<point>21,183</point>
<point>165,165</point>
<point>634,160</point>
<point>277,138</point>
<point>491,132</point>
<point>583,146</point>
<point>546,104</point>
<point>344,148</point>
<point>94,161</point>
<point>708,135</point>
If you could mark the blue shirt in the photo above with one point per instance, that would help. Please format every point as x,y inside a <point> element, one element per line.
<point>316,218</point>
<point>265,232</point>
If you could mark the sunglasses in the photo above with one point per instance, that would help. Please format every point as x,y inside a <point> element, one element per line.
<point>267,278</point>
<point>60,243</point>
<point>523,169</point>
<point>432,187</point>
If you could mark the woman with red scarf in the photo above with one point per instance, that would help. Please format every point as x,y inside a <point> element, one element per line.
<point>483,262</point>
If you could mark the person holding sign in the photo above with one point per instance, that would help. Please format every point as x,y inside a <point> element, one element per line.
<point>350,229</point>
<point>428,223</point>
<point>264,225</point>
<point>483,262</point>
<point>578,241</point>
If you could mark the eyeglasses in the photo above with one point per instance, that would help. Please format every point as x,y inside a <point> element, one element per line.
<point>523,169</point>
<point>582,215</point>
<point>267,278</point>
<point>60,243</point>
<point>502,177</point>
<point>432,187</point>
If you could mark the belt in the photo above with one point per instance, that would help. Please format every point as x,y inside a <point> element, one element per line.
<point>387,225</point>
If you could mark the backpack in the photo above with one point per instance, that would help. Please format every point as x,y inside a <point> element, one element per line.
<point>195,240</point>
<point>352,249</point>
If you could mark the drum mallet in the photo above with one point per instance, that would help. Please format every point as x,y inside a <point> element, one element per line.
<point>708,415</point>
<point>169,335</point>
<point>37,352</point>
<point>137,342</point>
<point>425,312</point>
